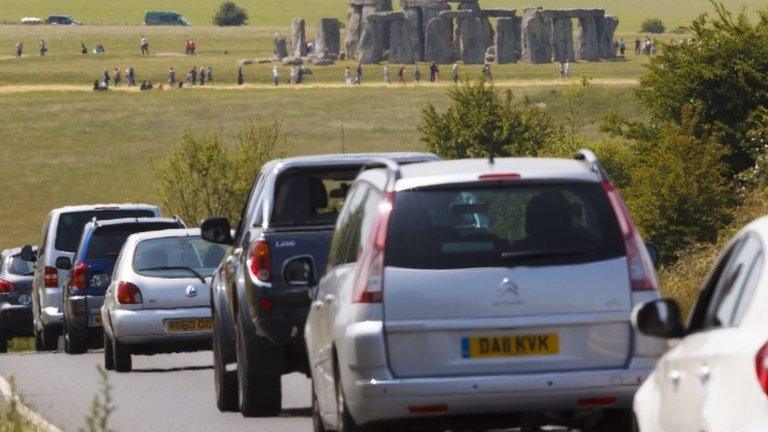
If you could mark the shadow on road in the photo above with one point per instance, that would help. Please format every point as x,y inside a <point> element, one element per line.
<point>296,412</point>
<point>176,369</point>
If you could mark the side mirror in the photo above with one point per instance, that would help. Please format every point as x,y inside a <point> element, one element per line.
<point>653,251</point>
<point>659,318</point>
<point>63,263</point>
<point>300,272</point>
<point>28,254</point>
<point>216,230</point>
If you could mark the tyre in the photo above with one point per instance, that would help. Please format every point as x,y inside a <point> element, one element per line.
<point>616,421</point>
<point>74,343</point>
<point>344,420</point>
<point>225,381</point>
<point>317,419</point>
<point>121,357</point>
<point>3,344</point>
<point>109,355</point>
<point>38,340</point>
<point>50,341</point>
<point>259,395</point>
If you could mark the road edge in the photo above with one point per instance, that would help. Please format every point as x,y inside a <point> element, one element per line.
<point>31,416</point>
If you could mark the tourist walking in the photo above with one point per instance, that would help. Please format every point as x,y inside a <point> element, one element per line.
<point>401,74</point>
<point>240,76</point>
<point>433,72</point>
<point>172,77</point>
<point>117,77</point>
<point>359,77</point>
<point>194,75</point>
<point>622,48</point>
<point>192,47</point>
<point>487,73</point>
<point>130,74</point>
<point>187,49</point>
<point>348,76</point>
<point>562,69</point>
<point>637,45</point>
<point>387,76</point>
<point>417,75</point>
<point>43,48</point>
<point>455,73</point>
<point>144,43</point>
<point>19,49</point>
<point>189,78</point>
<point>202,76</point>
<point>300,74</point>
<point>209,72</point>
<point>567,68</point>
<point>105,78</point>
<point>83,49</point>
<point>276,75</point>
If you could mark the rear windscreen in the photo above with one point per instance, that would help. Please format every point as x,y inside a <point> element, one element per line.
<point>70,226</point>
<point>311,196</point>
<point>502,226</point>
<point>18,266</point>
<point>106,243</point>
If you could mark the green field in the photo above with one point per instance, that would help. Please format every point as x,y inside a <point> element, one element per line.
<point>279,12</point>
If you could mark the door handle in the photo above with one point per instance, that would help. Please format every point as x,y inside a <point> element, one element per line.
<point>704,374</point>
<point>329,298</point>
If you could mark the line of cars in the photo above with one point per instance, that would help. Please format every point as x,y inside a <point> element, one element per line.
<point>417,292</point>
<point>151,18</point>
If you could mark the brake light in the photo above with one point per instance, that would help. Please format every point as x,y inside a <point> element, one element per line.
<point>369,281</point>
<point>597,402</point>
<point>51,277</point>
<point>427,409</point>
<point>761,366</point>
<point>259,261</point>
<point>642,277</point>
<point>128,293</point>
<point>265,304</point>
<point>499,176</point>
<point>78,276</point>
<point>6,286</point>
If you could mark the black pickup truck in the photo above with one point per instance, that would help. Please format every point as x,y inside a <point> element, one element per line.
<point>259,295</point>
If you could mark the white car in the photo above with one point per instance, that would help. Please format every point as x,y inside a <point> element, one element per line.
<point>159,297</point>
<point>715,378</point>
<point>480,290</point>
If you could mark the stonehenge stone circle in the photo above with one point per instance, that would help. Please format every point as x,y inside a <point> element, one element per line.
<point>281,49</point>
<point>437,45</point>
<point>298,38</point>
<point>328,39</point>
<point>508,46</point>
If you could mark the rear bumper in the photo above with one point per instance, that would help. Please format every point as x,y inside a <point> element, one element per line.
<point>81,310</point>
<point>15,320</point>
<point>373,401</point>
<point>147,326</point>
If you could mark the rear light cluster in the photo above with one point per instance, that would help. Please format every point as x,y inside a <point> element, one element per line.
<point>641,274</point>
<point>128,293</point>
<point>369,280</point>
<point>6,286</point>
<point>51,277</point>
<point>259,261</point>
<point>761,366</point>
<point>78,276</point>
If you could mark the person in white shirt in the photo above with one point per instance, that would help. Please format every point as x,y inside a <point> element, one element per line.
<point>276,76</point>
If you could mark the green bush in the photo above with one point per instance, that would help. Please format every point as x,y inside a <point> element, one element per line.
<point>652,25</point>
<point>201,178</point>
<point>230,14</point>
<point>482,120</point>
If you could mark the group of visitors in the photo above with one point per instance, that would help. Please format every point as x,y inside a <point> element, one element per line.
<point>193,78</point>
<point>434,74</point>
<point>116,78</point>
<point>647,46</point>
<point>190,47</point>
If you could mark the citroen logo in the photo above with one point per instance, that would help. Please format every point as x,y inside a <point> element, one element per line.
<point>191,291</point>
<point>508,288</point>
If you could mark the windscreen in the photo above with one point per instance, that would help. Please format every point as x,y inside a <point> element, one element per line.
<point>502,226</point>
<point>106,242</point>
<point>70,226</point>
<point>177,257</point>
<point>18,266</point>
<point>311,196</point>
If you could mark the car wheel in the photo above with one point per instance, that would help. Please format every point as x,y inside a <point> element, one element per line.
<point>259,395</point>
<point>121,356</point>
<point>73,344</point>
<point>109,355</point>
<point>317,419</point>
<point>344,420</point>
<point>615,421</point>
<point>38,340</point>
<point>3,344</point>
<point>51,338</point>
<point>224,381</point>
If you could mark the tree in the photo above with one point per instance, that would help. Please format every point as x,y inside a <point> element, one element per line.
<point>575,100</point>
<point>230,14</point>
<point>722,72</point>
<point>652,25</point>
<point>201,178</point>
<point>481,120</point>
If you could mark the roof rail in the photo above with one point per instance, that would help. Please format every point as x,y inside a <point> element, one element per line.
<point>391,166</point>
<point>594,165</point>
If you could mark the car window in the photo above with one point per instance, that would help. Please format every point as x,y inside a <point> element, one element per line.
<point>247,212</point>
<point>18,266</point>
<point>698,316</point>
<point>492,225</point>
<point>170,257</point>
<point>44,236</point>
<point>342,235</point>
<point>740,274</point>
<point>107,241</point>
<point>70,225</point>
<point>363,223</point>
<point>311,196</point>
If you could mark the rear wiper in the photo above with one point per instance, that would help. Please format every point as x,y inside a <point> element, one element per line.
<point>189,269</point>
<point>32,273</point>
<point>541,254</point>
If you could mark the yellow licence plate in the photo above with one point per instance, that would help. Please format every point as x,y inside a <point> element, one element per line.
<point>188,325</point>
<point>95,321</point>
<point>510,346</point>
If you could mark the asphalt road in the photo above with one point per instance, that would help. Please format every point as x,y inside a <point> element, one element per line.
<point>163,393</point>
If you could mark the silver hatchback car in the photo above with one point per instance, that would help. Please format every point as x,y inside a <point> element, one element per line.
<point>483,291</point>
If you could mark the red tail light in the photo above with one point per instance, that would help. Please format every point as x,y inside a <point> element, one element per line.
<point>369,281</point>
<point>761,365</point>
<point>597,402</point>
<point>641,274</point>
<point>128,293</point>
<point>6,286</point>
<point>51,277</point>
<point>260,265</point>
<point>78,276</point>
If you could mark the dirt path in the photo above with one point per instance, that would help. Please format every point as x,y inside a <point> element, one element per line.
<point>516,83</point>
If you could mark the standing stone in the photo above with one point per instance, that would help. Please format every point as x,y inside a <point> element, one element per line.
<point>328,38</point>
<point>537,36</point>
<point>486,34</point>
<point>562,39</point>
<point>400,43</point>
<point>371,46</point>
<point>472,44</point>
<point>589,40</point>
<point>508,49</point>
<point>608,48</point>
<point>281,49</point>
<point>298,38</point>
<point>413,16</point>
<point>437,46</point>
<point>353,29</point>
<point>432,11</point>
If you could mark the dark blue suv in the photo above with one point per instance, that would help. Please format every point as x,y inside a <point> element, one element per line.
<point>91,274</point>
